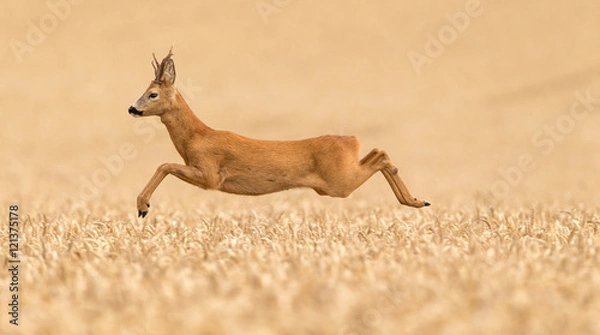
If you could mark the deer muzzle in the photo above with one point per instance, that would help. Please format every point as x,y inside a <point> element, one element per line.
<point>134,112</point>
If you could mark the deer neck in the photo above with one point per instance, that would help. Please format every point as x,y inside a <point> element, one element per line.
<point>182,125</point>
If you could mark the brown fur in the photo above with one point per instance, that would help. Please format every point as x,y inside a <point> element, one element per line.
<point>225,161</point>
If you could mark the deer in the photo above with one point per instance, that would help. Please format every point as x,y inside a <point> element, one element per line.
<point>228,162</point>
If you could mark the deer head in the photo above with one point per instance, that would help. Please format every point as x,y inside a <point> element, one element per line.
<point>159,97</point>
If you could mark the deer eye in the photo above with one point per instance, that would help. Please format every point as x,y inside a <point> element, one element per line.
<point>153,95</point>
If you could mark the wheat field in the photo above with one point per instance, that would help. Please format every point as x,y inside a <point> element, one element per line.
<point>490,109</point>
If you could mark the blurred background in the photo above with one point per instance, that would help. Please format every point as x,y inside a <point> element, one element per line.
<point>475,101</point>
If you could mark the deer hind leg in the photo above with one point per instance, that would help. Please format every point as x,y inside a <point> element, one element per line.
<point>186,173</point>
<point>382,163</point>
<point>369,156</point>
<point>345,175</point>
<point>374,161</point>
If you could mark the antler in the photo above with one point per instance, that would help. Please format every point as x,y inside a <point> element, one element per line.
<point>159,68</point>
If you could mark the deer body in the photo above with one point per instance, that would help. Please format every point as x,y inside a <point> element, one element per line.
<point>226,161</point>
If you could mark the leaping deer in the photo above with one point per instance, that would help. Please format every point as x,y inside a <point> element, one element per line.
<point>228,162</point>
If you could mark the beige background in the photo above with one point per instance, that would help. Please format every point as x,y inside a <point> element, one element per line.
<point>308,68</point>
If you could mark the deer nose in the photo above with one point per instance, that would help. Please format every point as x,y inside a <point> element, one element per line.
<point>133,111</point>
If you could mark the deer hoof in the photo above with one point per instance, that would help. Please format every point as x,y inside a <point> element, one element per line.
<point>426,203</point>
<point>142,214</point>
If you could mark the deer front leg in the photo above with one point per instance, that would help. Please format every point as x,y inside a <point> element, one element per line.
<point>186,173</point>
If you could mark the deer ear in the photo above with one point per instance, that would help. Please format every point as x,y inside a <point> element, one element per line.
<point>168,75</point>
